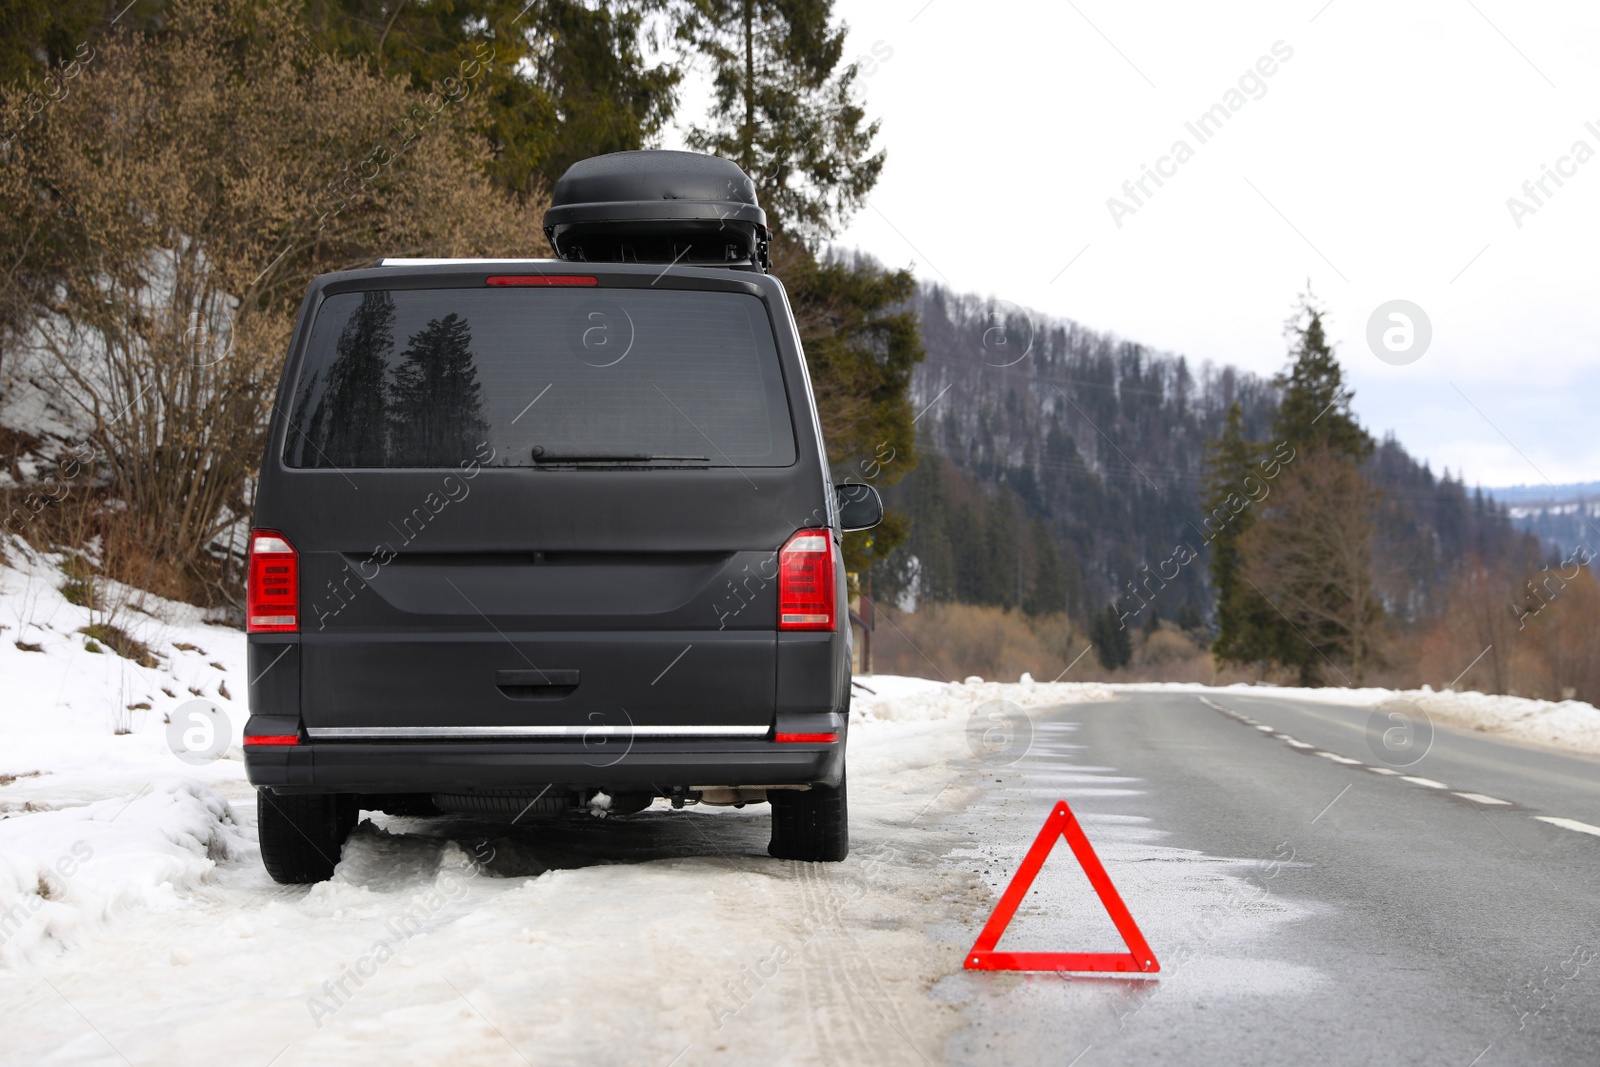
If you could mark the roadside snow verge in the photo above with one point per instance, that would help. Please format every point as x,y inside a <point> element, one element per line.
<point>891,698</point>
<point>1570,724</point>
<point>65,873</point>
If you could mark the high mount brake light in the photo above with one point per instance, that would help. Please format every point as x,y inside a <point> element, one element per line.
<point>272,591</point>
<point>542,279</point>
<point>805,582</point>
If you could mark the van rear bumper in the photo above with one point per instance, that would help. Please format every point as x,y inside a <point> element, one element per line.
<point>466,766</point>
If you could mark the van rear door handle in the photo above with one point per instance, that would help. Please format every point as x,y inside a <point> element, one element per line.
<point>536,684</point>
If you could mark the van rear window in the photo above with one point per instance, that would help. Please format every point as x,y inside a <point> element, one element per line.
<point>624,377</point>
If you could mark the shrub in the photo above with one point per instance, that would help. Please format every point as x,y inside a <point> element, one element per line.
<point>170,211</point>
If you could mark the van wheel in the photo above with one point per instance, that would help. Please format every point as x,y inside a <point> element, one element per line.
<point>302,834</point>
<point>810,825</point>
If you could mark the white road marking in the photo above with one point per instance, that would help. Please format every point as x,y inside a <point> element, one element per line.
<point>1479,798</point>
<point>1476,798</point>
<point>1570,824</point>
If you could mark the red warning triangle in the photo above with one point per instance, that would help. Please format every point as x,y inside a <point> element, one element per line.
<point>1061,823</point>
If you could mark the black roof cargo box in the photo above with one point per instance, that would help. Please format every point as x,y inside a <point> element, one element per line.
<point>658,207</point>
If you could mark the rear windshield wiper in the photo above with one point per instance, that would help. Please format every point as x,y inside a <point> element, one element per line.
<point>541,456</point>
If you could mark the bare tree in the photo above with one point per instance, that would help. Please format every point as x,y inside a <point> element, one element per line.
<point>1310,553</point>
<point>1481,629</point>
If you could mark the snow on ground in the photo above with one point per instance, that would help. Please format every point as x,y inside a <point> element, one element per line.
<point>98,818</point>
<point>136,920</point>
<point>66,875</point>
<point>81,725</point>
<point>890,698</point>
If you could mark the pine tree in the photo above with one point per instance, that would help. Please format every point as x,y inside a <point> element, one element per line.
<point>1112,643</point>
<point>862,342</point>
<point>1307,555</point>
<point>1100,637</point>
<point>1315,410</point>
<point>352,417</point>
<point>966,531</point>
<point>435,407</point>
<point>1152,623</point>
<point>1049,592</point>
<point>1230,459</point>
<point>786,109</point>
<point>928,542</point>
<point>1122,641</point>
<point>560,80</point>
<point>1001,558</point>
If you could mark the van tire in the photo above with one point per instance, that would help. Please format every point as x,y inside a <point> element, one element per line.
<point>302,834</point>
<point>811,825</point>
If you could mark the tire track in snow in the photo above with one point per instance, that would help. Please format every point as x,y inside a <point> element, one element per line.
<point>851,997</point>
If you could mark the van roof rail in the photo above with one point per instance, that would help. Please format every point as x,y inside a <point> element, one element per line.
<point>658,206</point>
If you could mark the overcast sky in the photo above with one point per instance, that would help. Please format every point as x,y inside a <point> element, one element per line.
<point>1376,159</point>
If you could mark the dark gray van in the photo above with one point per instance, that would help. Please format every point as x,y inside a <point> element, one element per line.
<point>530,532</point>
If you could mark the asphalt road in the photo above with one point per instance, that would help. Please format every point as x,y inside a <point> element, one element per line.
<point>1385,918</point>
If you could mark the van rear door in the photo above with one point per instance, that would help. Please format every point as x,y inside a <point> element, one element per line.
<point>540,508</point>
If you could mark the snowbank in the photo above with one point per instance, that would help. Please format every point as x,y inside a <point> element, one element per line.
<point>1570,724</point>
<point>66,874</point>
<point>892,698</point>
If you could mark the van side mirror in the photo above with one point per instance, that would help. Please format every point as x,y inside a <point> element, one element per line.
<point>860,506</point>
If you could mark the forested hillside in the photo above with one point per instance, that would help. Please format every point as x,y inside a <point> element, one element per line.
<point>1061,468</point>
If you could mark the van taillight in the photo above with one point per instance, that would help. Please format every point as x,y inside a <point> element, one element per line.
<point>272,595</point>
<point>805,582</point>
